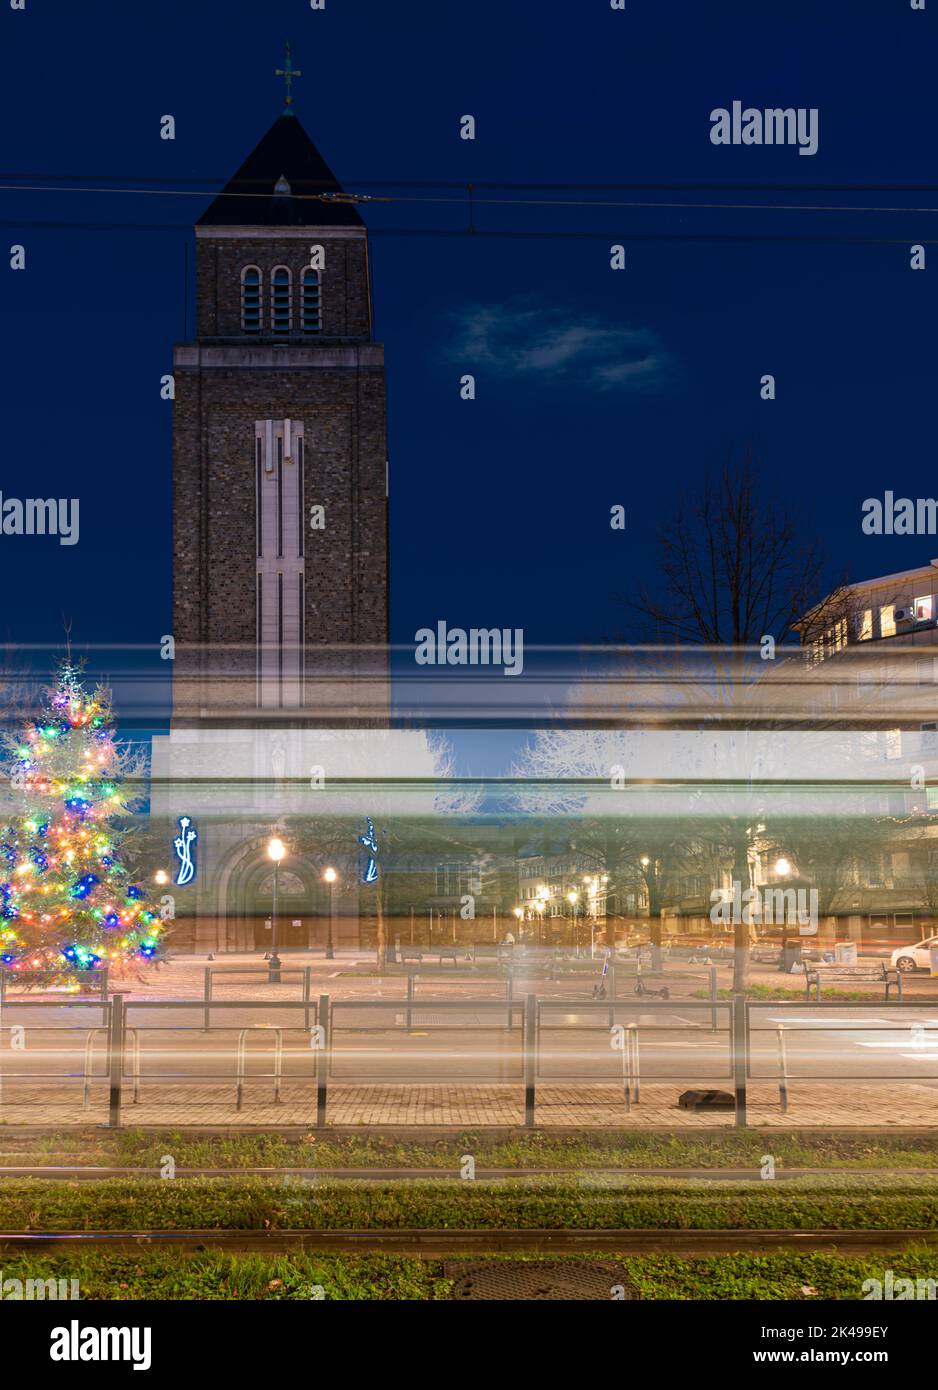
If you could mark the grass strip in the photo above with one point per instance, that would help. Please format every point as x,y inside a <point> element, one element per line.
<point>537,1149</point>
<point>245,1203</point>
<point>167,1276</point>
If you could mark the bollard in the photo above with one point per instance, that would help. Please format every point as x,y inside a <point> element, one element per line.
<point>509,986</point>
<point>740,1058</point>
<point>115,1044</point>
<point>713,999</point>
<point>324,1019</point>
<point>410,998</point>
<point>208,998</point>
<point>529,1045</point>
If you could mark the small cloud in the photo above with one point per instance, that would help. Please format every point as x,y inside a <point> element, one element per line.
<point>525,338</point>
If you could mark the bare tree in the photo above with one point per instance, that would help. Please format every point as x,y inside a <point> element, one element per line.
<point>735,562</point>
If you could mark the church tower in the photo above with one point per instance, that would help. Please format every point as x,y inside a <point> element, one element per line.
<point>279,454</point>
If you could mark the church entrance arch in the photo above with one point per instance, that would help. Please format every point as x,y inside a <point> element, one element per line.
<point>302,905</point>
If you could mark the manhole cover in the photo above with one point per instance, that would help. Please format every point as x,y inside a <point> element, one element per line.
<point>538,1280</point>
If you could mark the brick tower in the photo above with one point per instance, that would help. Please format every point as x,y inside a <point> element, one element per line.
<point>279,455</point>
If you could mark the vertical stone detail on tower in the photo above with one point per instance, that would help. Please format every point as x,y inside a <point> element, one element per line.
<point>279,510</point>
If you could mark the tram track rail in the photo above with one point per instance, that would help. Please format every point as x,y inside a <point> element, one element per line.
<point>95,1173</point>
<point>433,1243</point>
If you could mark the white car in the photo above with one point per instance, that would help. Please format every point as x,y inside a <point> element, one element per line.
<point>917,957</point>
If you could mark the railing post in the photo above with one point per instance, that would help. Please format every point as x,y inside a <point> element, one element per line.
<point>324,1020</point>
<point>782,1067</point>
<point>115,1043</point>
<point>410,998</point>
<point>307,989</point>
<point>509,987</point>
<point>713,999</point>
<point>208,996</point>
<point>529,1046</point>
<point>103,992</point>
<point>740,1056</point>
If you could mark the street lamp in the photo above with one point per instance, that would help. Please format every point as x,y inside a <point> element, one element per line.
<point>783,867</point>
<point>161,877</point>
<point>330,876</point>
<point>276,851</point>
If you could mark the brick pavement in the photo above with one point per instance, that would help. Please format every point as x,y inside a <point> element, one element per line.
<point>470,1106</point>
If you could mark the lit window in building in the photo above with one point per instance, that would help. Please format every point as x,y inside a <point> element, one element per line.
<point>893,743</point>
<point>887,620</point>
<point>924,609</point>
<point>865,625</point>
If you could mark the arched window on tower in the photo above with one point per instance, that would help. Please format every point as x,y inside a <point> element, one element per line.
<point>312,301</point>
<point>281,300</point>
<point>251,299</point>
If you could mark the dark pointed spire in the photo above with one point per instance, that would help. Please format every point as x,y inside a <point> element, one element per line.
<point>285,154</point>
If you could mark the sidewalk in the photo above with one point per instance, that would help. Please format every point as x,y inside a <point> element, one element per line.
<point>596,1106</point>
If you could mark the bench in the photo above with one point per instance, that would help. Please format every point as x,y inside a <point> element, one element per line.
<point>449,953</point>
<point>765,955</point>
<point>411,953</point>
<point>874,972</point>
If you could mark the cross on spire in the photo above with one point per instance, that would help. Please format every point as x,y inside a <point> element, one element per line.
<point>288,72</point>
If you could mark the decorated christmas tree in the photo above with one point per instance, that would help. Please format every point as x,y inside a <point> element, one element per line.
<point>66,905</point>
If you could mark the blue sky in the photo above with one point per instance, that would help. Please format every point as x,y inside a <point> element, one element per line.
<point>594,387</point>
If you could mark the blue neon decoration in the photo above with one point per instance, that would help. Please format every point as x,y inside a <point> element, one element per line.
<point>370,842</point>
<point>183,846</point>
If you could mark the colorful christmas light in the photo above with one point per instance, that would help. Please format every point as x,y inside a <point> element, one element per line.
<point>66,906</point>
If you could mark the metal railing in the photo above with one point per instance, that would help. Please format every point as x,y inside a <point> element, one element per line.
<point>305,973</point>
<point>625,1038</point>
<point>783,1030</point>
<point>12,1008</point>
<point>11,978</point>
<point>752,1049</point>
<point>242,1061</point>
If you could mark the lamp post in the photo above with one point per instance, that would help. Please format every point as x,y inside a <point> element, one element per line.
<point>785,872</point>
<point>276,851</point>
<point>572,898</point>
<point>330,876</point>
<point>543,898</point>
<point>592,890</point>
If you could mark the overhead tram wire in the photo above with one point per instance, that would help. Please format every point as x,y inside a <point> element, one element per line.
<point>469,201</point>
<point>672,187</point>
<point>474,201</point>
